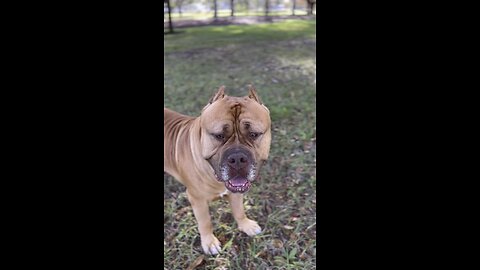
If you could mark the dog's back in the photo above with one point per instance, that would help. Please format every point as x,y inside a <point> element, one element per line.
<point>176,124</point>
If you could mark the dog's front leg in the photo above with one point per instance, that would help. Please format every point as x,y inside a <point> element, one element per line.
<point>210,244</point>
<point>245,224</point>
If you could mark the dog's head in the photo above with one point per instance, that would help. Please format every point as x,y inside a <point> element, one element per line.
<point>235,138</point>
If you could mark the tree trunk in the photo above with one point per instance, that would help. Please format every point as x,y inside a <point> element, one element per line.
<point>215,9</point>
<point>294,5</point>
<point>170,25</point>
<point>232,7</point>
<point>310,4</point>
<point>179,4</point>
<point>266,8</point>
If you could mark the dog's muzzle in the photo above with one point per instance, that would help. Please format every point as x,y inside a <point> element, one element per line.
<point>237,169</point>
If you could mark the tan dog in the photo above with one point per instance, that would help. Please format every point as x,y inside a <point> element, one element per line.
<point>218,153</point>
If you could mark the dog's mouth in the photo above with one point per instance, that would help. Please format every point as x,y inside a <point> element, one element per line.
<point>238,184</point>
<point>236,169</point>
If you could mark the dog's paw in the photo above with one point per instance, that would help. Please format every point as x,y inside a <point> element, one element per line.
<point>249,227</point>
<point>211,245</point>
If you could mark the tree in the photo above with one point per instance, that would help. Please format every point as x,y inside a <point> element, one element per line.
<point>232,8</point>
<point>170,25</point>
<point>247,5</point>
<point>215,9</point>
<point>266,8</point>
<point>294,5</point>
<point>311,4</point>
<point>179,4</point>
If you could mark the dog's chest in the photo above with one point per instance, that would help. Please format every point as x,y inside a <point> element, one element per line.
<point>223,193</point>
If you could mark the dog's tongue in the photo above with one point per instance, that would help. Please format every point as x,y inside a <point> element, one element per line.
<point>238,181</point>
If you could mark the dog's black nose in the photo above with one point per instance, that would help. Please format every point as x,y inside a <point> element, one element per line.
<point>237,160</point>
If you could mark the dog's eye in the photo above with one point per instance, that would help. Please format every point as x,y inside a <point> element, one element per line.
<point>254,135</point>
<point>219,137</point>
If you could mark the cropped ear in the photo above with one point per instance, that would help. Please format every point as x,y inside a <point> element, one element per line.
<point>219,95</point>
<point>252,93</point>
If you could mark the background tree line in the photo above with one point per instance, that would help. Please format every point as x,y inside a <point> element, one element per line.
<point>244,5</point>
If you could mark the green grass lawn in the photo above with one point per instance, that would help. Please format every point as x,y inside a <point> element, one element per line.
<point>280,60</point>
<point>218,36</point>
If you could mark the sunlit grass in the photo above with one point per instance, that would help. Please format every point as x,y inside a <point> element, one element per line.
<point>215,36</point>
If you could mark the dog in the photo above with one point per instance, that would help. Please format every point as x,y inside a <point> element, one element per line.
<point>219,153</point>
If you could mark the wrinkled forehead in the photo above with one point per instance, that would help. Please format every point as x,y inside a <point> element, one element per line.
<point>235,111</point>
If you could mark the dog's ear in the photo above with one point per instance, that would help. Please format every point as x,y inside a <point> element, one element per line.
<point>219,95</point>
<point>252,93</point>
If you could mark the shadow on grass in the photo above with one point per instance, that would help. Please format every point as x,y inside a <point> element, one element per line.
<point>175,32</point>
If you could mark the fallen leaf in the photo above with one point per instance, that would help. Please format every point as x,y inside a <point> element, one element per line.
<point>268,209</point>
<point>221,263</point>
<point>196,263</point>
<point>261,254</point>
<point>276,243</point>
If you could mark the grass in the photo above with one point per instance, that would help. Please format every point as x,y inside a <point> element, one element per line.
<point>280,60</point>
<point>218,36</point>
